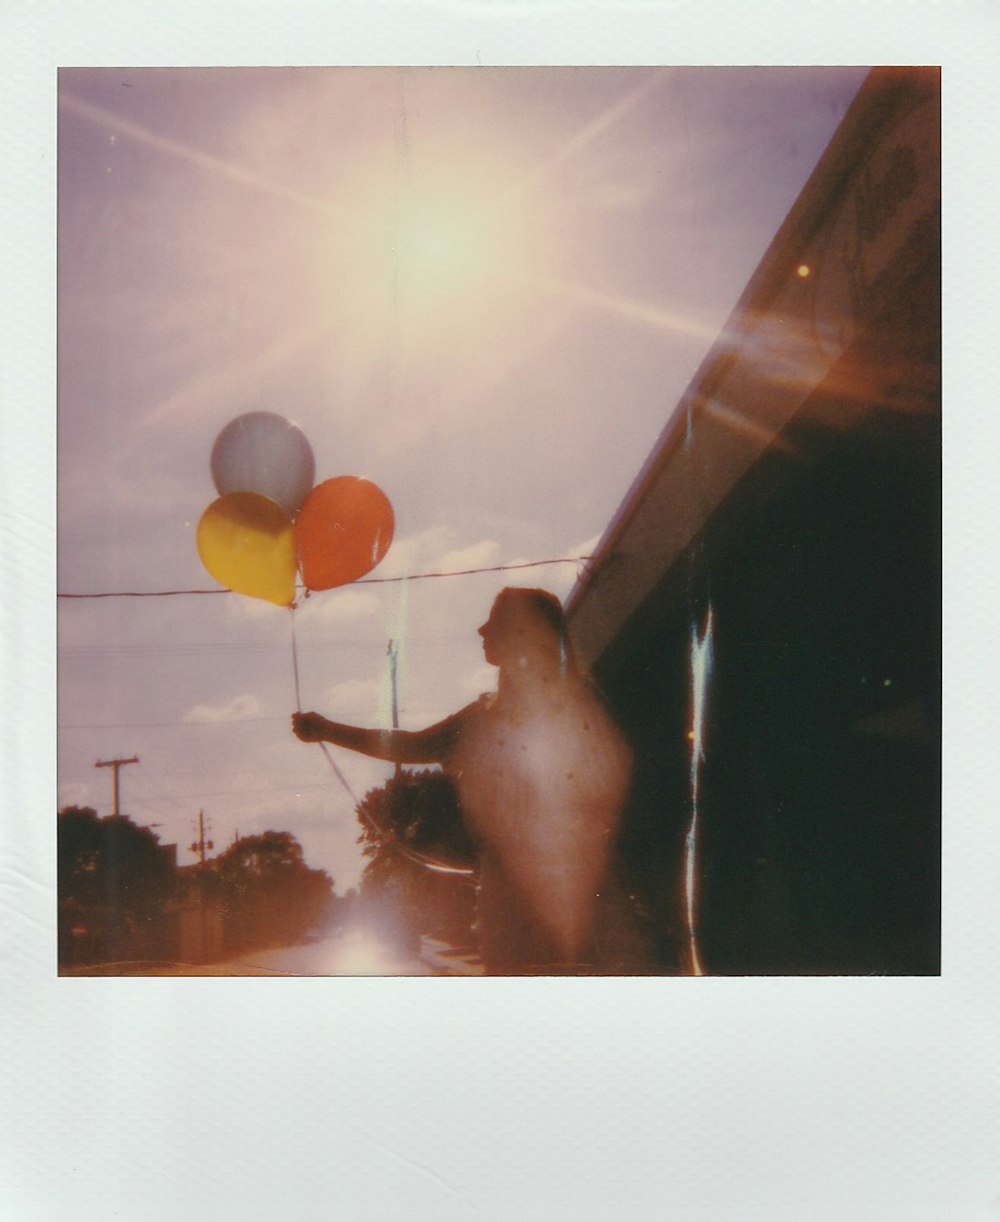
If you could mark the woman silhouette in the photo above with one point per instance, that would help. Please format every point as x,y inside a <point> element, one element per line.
<point>542,774</point>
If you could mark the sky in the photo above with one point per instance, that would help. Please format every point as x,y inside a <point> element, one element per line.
<point>483,289</point>
<point>870,1102</point>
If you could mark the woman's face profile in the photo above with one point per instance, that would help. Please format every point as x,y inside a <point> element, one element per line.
<point>515,628</point>
<point>494,633</point>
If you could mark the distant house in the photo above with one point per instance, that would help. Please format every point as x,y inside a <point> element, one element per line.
<point>787,528</point>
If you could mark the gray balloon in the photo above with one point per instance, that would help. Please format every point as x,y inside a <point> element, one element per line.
<point>263,452</point>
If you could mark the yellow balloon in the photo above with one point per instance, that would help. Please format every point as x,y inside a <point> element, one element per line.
<point>247,543</point>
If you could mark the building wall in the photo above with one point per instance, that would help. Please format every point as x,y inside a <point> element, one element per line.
<point>796,498</point>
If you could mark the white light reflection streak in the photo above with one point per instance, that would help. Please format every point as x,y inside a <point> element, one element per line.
<point>701,678</point>
<point>742,423</point>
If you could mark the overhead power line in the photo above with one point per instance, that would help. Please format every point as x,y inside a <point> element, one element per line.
<point>494,568</point>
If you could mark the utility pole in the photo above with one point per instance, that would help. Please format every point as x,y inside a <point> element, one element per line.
<point>116,765</point>
<point>199,847</point>
<point>201,844</point>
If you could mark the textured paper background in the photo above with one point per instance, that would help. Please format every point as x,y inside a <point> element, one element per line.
<point>861,1099</point>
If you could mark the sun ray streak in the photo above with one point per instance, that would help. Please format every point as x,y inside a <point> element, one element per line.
<point>232,377</point>
<point>651,315</point>
<point>205,161</point>
<point>585,135</point>
<point>701,678</point>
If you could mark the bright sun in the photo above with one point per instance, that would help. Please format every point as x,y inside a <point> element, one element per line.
<point>438,250</point>
<point>432,260</point>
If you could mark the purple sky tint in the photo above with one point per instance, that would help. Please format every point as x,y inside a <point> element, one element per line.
<point>485,289</point>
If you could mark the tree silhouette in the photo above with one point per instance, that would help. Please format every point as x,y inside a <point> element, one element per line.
<point>114,878</point>
<point>417,815</point>
<point>268,893</point>
<point>416,811</point>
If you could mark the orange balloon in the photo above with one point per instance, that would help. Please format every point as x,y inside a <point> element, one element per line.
<point>247,543</point>
<point>343,530</point>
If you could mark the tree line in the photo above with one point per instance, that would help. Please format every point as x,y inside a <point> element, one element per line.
<point>122,896</point>
<point>123,899</point>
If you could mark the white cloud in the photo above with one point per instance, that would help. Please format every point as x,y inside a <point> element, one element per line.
<point>561,578</point>
<point>340,606</point>
<point>356,700</point>
<point>243,607</point>
<point>240,708</point>
<point>475,556</point>
<point>411,555</point>
<point>585,549</point>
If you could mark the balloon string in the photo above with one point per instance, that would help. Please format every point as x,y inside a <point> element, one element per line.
<point>295,665</point>
<point>466,872</point>
<point>338,774</point>
<point>298,706</point>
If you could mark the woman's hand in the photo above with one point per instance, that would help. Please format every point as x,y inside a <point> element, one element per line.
<point>308,727</point>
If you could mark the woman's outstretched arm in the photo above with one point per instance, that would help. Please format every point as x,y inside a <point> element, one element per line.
<point>432,745</point>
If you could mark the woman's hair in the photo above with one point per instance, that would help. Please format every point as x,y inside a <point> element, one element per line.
<point>541,603</point>
<point>541,607</point>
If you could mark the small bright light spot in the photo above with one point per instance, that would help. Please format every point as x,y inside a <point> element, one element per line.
<point>804,269</point>
<point>887,683</point>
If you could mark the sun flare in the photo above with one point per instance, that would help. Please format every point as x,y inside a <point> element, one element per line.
<point>429,260</point>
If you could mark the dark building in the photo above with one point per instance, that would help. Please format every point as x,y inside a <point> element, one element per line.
<point>787,529</point>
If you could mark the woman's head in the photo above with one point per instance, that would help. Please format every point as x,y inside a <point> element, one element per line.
<point>525,628</point>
